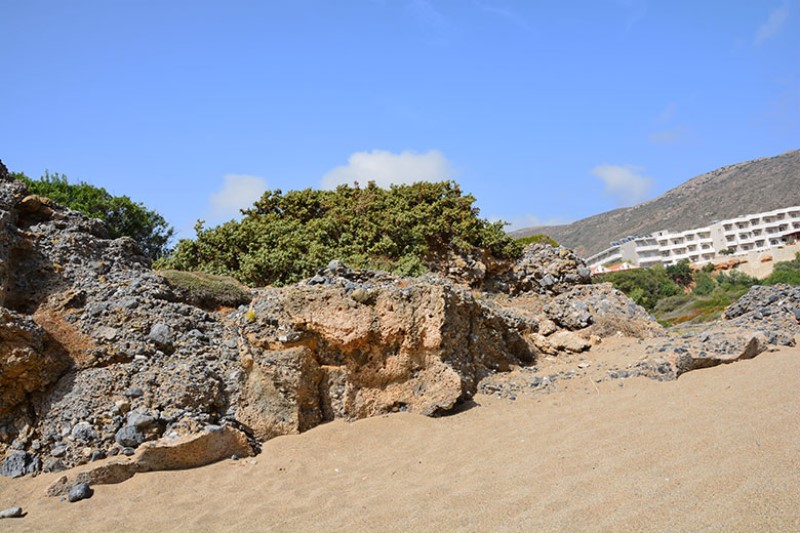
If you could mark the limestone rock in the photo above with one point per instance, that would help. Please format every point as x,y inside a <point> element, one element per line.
<point>719,348</point>
<point>316,351</point>
<point>569,341</point>
<point>177,452</point>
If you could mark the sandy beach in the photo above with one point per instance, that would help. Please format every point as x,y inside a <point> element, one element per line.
<point>716,450</point>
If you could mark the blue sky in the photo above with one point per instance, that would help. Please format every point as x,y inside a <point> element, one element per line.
<point>544,110</point>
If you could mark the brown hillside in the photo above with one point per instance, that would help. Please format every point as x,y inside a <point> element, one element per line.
<point>743,188</point>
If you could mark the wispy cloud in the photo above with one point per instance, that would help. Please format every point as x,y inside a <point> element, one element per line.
<point>239,191</point>
<point>666,131</point>
<point>667,114</point>
<point>385,168</point>
<point>625,183</point>
<point>774,24</point>
<point>668,136</point>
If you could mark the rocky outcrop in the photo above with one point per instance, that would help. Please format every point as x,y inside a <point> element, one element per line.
<point>352,345</point>
<point>601,310</point>
<point>542,269</point>
<point>774,310</point>
<point>101,357</point>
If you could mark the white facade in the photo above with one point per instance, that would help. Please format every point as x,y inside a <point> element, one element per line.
<point>739,236</point>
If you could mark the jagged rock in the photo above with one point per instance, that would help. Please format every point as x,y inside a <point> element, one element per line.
<point>774,309</point>
<point>730,346</point>
<point>29,361</point>
<point>543,269</point>
<point>19,463</point>
<point>108,358</point>
<point>601,310</point>
<point>315,352</point>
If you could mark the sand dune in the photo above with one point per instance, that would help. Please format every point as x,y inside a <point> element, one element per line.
<point>717,450</point>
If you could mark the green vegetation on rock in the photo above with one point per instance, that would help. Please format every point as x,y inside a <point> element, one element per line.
<point>122,216</point>
<point>406,229</point>
<point>208,291</point>
<point>540,238</point>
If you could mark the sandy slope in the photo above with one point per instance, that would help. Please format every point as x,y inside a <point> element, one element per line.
<point>717,450</point>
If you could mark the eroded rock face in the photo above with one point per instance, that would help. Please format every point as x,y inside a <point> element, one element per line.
<point>29,362</point>
<point>359,345</point>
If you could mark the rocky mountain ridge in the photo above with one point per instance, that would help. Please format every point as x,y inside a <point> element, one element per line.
<point>101,357</point>
<point>739,189</point>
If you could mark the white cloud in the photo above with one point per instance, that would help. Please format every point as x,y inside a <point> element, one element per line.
<point>239,191</point>
<point>624,182</point>
<point>773,25</point>
<point>385,168</point>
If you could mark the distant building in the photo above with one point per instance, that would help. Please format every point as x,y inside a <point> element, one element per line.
<point>735,236</point>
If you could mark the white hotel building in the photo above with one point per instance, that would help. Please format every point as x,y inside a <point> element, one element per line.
<point>741,236</point>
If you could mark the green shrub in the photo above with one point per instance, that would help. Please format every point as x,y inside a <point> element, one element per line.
<point>785,272</point>
<point>735,278</point>
<point>789,277</point>
<point>649,285</point>
<point>405,229</point>
<point>703,284</point>
<point>671,303</point>
<point>121,215</point>
<point>680,273</point>
<point>208,291</point>
<point>544,239</point>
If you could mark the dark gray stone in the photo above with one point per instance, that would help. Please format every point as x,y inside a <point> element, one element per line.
<point>162,336</point>
<point>79,492</point>
<point>83,432</point>
<point>19,464</point>
<point>129,437</point>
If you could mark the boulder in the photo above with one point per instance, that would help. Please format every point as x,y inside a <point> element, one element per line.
<point>717,348</point>
<point>174,452</point>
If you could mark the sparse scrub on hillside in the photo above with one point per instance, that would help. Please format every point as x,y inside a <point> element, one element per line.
<point>406,229</point>
<point>787,272</point>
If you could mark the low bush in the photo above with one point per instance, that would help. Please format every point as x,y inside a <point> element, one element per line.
<point>785,272</point>
<point>406,229</point>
